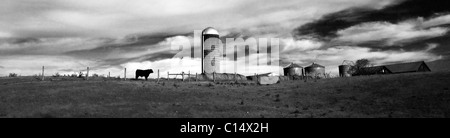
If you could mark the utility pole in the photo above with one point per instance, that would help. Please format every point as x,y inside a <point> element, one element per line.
<point>87,74</point>
<point>125,74</point>
<point>43,73</point>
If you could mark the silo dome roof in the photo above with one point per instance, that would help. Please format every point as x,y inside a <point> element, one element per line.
<point>315,65</point>
<point>210,30</point>
<point>292,65</point>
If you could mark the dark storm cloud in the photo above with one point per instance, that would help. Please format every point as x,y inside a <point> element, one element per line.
<point>328,25</point>
<point>158,56</point>
<point>442,49</point>
<point>130,44</point>
<point>132,48</point>
<point>75,54</point>
<point>19,40</point>
<point>116,62</point>
<point>48,46</point>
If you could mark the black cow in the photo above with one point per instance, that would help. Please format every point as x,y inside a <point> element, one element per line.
<point>143,73</point>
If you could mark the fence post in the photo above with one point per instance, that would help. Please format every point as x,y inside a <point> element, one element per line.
<point>256,78</point>
<point>43,73</point>
<point>235,79</point>
<point>307,77</point>
<point>189,76</point>
<point>87,74</point>
<point>182,76</point>
<point>167,75</point>
<point>214,76</point>
<point>196,76</point>
<point>109,75</point>
<point>158,77</point>
<point>125,74</point>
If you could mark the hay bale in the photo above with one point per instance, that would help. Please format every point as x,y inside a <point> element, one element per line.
<point>265,80</point>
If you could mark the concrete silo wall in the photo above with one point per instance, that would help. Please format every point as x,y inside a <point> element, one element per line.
<point>212,58</point>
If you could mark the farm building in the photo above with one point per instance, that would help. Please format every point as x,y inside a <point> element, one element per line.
<point>420,66</point>
<point>373,71</point>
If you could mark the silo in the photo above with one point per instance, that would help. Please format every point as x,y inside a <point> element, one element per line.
<point>344,71</point>
<point>293,70</point>
<point>315,70</point>
<point>210,41</point>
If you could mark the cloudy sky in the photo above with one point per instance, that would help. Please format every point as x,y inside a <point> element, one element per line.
<point>66,36</point>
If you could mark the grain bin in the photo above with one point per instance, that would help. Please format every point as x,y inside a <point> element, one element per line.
<point>293,70</point>
<point>344,71</point>
<point>315,70</point>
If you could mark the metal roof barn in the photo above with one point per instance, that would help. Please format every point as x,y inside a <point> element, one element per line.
<point>408,67</point>
<point>420,66</point>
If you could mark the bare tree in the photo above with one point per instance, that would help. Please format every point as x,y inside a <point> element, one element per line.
<point>359,64</point>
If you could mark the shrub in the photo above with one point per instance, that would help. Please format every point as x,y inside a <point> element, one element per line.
<point>80,75</point>
<point>56,75</point>
<point>12,75</point>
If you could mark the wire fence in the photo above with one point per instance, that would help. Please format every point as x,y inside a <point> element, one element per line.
<point>183,76</point>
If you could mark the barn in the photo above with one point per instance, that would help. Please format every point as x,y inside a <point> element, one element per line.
<point>372,71</point>
<point>420,66</point>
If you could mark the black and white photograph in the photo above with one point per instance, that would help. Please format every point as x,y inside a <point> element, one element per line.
<point>224,59</point>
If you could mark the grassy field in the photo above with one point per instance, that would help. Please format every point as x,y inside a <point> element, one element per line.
<point>401,95</point>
